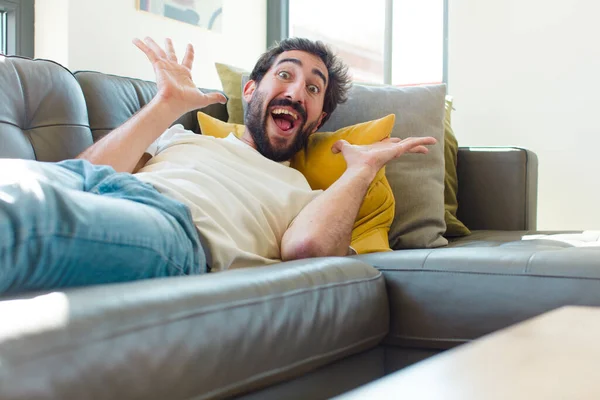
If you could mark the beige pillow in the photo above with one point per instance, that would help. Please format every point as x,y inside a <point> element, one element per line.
<point>231,80</point>
<point>417,180</point>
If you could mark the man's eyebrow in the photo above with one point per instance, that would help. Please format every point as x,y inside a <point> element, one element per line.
<point>320,74</point>
<point>315,71</point>
<point>292,60</point>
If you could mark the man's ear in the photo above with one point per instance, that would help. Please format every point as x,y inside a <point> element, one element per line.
<point>316,128</point>
<point>248,91</point>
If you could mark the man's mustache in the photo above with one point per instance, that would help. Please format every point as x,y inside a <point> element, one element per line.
<point>288,103</point>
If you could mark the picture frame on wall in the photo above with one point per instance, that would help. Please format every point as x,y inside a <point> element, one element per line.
<point>206,14</point>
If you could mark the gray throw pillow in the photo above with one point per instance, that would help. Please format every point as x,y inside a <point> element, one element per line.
<point>417,180</point>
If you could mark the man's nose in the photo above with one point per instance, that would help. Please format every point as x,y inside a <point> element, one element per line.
<point>295,92</point>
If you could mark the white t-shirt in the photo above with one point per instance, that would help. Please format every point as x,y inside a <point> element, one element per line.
<point>240,201</point>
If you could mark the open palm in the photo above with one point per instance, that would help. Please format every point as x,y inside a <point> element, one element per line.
<point>377,155</point>
<point>174,80</point>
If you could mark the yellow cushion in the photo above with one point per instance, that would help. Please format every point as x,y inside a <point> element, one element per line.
<point>322,168</point>
<point>212,126</point>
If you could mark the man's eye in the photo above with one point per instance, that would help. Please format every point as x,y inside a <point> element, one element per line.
<point>314,89</point>
<point>284,75</point>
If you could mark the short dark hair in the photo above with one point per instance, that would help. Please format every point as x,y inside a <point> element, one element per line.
<point>339,80</point>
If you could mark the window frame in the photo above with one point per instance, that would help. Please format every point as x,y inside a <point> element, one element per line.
<point>278,22</point>
<point>4,33</point>
<point>278,29</point>
<point>19,27</point>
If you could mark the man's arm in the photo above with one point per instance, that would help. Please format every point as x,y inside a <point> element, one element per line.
<point>123,149</point>
<point>324,226</point>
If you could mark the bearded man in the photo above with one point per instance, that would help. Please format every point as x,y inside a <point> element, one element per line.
<point>149,200</point>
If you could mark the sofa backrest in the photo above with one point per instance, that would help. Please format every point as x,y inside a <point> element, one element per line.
<point>49,114</point>
<point>42,111</point>
<point>111,100</point>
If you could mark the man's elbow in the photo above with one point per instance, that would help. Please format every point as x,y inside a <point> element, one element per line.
<point>307,248</point>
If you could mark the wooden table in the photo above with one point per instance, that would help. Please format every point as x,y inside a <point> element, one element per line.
<point>553,356</point>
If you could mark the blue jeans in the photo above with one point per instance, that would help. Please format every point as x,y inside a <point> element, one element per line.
<point>73,223</point>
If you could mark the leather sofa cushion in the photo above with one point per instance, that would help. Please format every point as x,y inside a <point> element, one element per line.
<point>214,335</point>
<point>492,238</point>
<point>43,114</point>
<point>112,100</point>
<point>444,297</point>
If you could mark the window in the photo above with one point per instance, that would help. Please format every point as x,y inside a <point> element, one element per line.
<point>16,27</point>
<point>355,33</point>
<point>3,41</point>
<point>417,42</point>
<point>400,42</point>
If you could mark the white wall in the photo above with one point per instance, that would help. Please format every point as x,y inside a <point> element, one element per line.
<point>96,35</point>
<point>51,30</point>
<point>527,73</point>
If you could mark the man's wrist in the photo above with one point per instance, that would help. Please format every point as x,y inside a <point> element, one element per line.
<point>169,110</point>
<point>362,172</point>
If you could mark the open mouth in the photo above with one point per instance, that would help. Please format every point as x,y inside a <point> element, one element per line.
<point>285,119</point>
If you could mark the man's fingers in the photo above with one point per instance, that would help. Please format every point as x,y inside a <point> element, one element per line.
<point>170,50</point>
<point>155,48</point>
<point>338,146</point>
<point>216,97</point>
<point>188,58</point>
<point>426,140</point>
<point>419,149</point>
<point>416,145</point>
<point>142,46</point>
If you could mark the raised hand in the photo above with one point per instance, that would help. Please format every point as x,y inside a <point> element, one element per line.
<point>378,154</point>
<point>174,80</point>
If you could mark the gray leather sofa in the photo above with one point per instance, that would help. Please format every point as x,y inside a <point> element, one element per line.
<point>305,329</point>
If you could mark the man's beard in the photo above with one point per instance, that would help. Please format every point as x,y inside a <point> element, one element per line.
<point>256,123</point>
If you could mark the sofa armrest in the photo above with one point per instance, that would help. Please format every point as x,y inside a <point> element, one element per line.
<point>497,188</point>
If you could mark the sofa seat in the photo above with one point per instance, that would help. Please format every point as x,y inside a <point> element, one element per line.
<point>440,298</point>
<point>489,238</point>
<point>198,337</point>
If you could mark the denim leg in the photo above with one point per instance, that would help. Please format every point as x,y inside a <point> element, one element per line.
<point>73,224</point>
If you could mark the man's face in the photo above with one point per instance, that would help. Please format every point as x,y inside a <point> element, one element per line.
<point>287,106</point>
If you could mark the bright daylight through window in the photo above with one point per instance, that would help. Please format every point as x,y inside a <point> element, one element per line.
<point>358,35</point>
